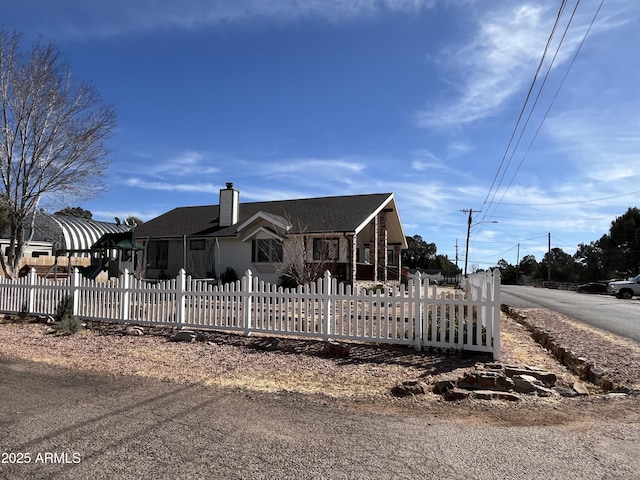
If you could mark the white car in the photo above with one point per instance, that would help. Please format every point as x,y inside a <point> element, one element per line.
<point>625,288</point>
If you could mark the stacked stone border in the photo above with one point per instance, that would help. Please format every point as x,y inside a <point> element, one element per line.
<point>494,381</point>
<point>579,365</point>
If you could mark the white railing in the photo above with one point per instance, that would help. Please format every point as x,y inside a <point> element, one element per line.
<point>415,315</point>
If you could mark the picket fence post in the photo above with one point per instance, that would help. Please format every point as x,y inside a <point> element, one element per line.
<point>416,290</point>
<point>326,298</point>
<point>181,286</point>
<point>76,278</point>
<point>31,292</point>
<point>247,289</point>
<point>496,309</point>
<point>125,296</point>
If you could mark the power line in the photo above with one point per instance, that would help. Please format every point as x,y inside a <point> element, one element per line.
<point>570,203</point>
<point>494,204</point>
<point>535,104</point>
<point>524,106</point>
<point>546,114</point>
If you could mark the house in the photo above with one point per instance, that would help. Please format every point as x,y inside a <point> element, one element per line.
<point>357,237</point>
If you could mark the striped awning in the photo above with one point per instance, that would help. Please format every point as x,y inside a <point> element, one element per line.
<point>73,234</point>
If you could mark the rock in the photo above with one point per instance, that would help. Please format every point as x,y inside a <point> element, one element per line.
<point>621,389</point>
<point>544,391</point>
<point>266,344</point>
<point>504,383</point>
<point>443,386</point>
<point>526,383</point>
<point>548,378</point>
<point>133,330</point>
<point>456,394</point>
<point>184,336</point>
<point>565,392</point>
<point>494,366</point>
<point>615,396</point>
<point>494,395</point>
<point>409,388</point>
<point>485,380</point>
<point>336,349</point>
<point>580,389</point>
<point>470,381</point>
<point>494,381</point>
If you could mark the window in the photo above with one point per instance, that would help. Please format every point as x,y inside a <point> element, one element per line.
<point>326,248</point>
<point>390,256</point>
<point>364,254</point>
<point>196,244</point>
<point>158,253</point>
<point>267,250</point>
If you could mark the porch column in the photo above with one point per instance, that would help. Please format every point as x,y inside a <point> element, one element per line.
<point>373,241</point>
<point>382,247</point>
<point>352,276</point>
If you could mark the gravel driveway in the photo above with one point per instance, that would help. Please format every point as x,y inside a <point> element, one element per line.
<point>119,427</point>
<point>142,407</point>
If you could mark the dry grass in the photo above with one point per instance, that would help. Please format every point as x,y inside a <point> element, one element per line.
<point>234,361</point>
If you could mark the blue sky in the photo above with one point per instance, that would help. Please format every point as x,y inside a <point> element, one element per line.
<point>291,99</point>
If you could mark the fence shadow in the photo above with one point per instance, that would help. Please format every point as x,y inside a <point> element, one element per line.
<point>432,361</point>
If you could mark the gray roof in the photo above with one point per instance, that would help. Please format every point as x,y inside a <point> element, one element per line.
<point>311,215</point>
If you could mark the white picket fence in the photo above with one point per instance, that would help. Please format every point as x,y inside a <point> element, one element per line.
<point>415,315</point>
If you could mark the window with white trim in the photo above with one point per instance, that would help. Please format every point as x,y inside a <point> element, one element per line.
<point>267,250</point>
<point>158,253</point>
<point>326,249</point>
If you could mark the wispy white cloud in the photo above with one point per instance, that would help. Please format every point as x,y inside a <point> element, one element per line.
<point>172,187</point>
<point>425,160</point>
<point>129,16</point>
<point>458,148</point>
<point>493,65</point>
<point>314,166</point>
<point>332,175</point>
<point>184,164</point>
<point>501,56</point>
<point>603,146</point>
<point>324,175</point>
<point>109,215</point>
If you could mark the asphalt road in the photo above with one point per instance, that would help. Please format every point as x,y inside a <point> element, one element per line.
<point>78,426</point>
<point>618,316</point>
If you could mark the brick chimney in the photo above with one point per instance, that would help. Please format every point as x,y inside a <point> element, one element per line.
<point>229,206</point>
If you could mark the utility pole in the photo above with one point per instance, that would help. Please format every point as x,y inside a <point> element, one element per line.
<point>456,253</point>
<point>466,254</point>
<point>549,262</point>
<point>518,263</point>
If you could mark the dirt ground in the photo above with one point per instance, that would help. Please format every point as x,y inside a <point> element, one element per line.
<point>362,381</point>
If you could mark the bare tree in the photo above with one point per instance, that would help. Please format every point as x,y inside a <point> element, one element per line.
<point>52,137</point>
<point>302,256</point>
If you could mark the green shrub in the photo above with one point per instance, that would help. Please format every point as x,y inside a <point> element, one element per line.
<point>64,308</point>
<point>66,322</point>
<point>24,312</point>
<point>228,276</point>
<point>68,325</point>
